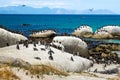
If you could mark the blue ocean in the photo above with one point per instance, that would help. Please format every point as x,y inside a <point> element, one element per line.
<point>59,23</point>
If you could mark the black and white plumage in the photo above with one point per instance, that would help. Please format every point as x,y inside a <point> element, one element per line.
<point>71,58</point>
<point>51,57</point>
<point>50,52</point>
<point>37,58</point>
<point>35,49</point>
<point>18,47</point>
<point>43,49</point>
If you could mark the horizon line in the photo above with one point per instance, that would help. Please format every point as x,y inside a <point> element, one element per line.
<point>58,14</point>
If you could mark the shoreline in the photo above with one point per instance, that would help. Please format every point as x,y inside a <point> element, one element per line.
<point>101,62</point>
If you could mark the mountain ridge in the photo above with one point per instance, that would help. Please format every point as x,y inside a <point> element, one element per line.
<point>46,10</point>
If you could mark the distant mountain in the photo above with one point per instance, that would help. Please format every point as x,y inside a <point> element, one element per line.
<point>99,11</point>
<point>45,10</point>
<point>30,10</point>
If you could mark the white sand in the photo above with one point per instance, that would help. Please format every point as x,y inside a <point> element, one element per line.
<point>22,75</point>
<point>73,76</point>
<point>100,68</point>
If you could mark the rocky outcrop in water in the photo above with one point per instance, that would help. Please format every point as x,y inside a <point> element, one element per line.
<point>108,32</point>
<point>83,31</point>
<point>43,34</point>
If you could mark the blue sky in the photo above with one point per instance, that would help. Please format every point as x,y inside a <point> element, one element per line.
<point>112,5</point>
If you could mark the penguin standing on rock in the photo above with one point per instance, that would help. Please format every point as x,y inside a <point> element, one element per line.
<point>34,44</point>
<point>50,54</point>
<point>18,46</point>
<point>71,58</point>
<point>26,45</point>
<point>51,57</point>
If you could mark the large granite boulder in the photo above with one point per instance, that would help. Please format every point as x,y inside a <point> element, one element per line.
<point>83,31</point>
<point>102,35</point>
<point>108,32</point>
<point>10,38</point>
<point>72,45</point>
<point>43,34</point>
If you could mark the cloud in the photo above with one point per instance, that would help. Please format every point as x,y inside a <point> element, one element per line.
<point>37,3</point>
<point>66,4</point>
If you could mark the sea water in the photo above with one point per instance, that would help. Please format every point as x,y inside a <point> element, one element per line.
<point>59,23</point>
